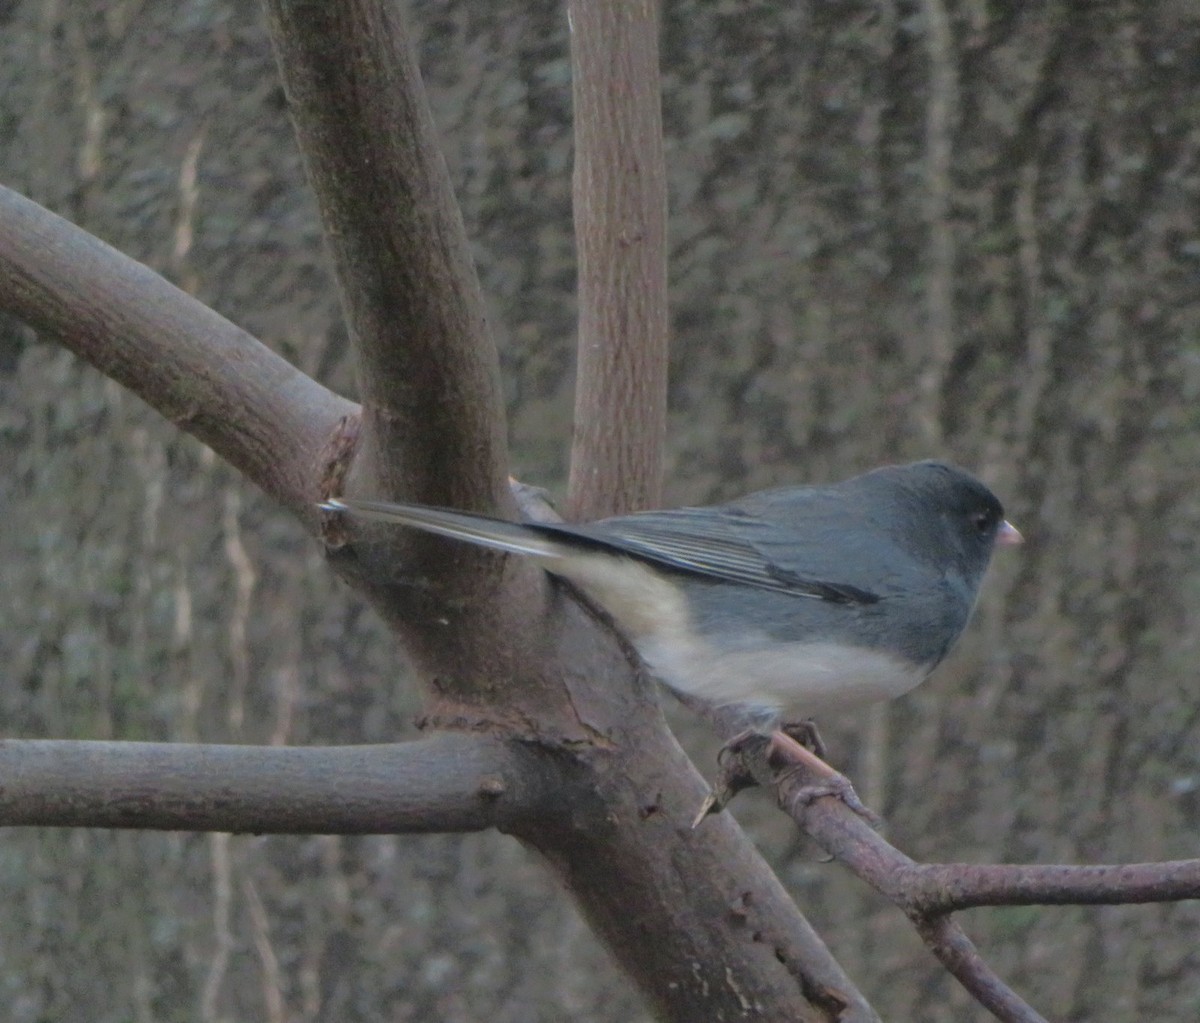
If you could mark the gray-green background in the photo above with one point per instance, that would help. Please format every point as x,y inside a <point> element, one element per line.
<point>961,229</point>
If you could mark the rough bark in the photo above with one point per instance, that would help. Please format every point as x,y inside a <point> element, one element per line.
<point>500,650</point>
<point>620,207</point>
<point>1063,729</point>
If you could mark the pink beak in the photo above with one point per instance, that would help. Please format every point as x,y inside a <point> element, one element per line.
<point>1008,535</point>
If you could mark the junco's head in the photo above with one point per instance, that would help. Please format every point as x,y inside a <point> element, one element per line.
<point>793,601</point>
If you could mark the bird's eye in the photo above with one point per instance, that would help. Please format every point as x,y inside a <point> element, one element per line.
<point>982,520</point>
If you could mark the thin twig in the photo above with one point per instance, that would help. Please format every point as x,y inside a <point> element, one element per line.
<point>943,887</point>
<point>956,952</point>
<point>805,785</point>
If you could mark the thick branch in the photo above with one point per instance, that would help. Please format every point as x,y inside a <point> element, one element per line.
<point>201,372</point>
<point>450,782</point>
<point>428,371</point>
<point>694,914</point>
<point>620,201</point>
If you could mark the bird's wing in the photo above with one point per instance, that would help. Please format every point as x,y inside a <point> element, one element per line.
<point>713,543</point>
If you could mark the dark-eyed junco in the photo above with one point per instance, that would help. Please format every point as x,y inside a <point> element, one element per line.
<point>781,604</point>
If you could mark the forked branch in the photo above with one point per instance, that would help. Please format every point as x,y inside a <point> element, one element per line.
<point>929,892</point>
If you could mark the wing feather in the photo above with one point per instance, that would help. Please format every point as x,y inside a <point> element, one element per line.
<point>710,543</point>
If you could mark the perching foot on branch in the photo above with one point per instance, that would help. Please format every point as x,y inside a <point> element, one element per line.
<point>753,758</point>
<point>787,756</point>
<point>805,732</point>
<point>734,772</point>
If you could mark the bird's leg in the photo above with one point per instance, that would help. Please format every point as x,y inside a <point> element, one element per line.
<point>792,755</point>
<point>782,752</point>
<point>733,772</point>
<point>757,734</point>
<point>805,732</point>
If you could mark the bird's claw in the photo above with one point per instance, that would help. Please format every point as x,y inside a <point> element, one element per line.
<point>838,786</point>
<point>732,776</point>
<point>792,746</point>
<point>805,732</point>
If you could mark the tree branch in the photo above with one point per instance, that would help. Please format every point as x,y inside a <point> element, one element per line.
<point>928,893</point>
<point>503,650</point>
<point>945,887</point>
<point>929,889</point>
<point>727,940</point>
<point>806,788</point>
<point>207,376</point>
<point>449,782</point>
<point>620,202</point>
<point>955,951</point>
<point>428,371</point>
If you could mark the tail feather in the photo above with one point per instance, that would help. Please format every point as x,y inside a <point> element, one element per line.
<point>497,534</point>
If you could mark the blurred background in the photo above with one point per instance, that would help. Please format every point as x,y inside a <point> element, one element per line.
<point>898,230</point>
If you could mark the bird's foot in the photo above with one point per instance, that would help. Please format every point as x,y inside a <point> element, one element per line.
<point>776,756</point>
<point>790,756</point>
<point>733,771</point>
<point>805,732</point>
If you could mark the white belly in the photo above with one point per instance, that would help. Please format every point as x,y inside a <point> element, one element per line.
<point>798,679</point>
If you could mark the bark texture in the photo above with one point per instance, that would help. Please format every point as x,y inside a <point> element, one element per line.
<point>896,232</point>
<point>620,207</point>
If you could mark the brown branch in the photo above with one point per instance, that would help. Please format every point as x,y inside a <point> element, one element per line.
<point>699,920</point>
<point>620,202</point>
<point>694,915</point>
<point>207,376</point>
<point>955,951</point>
<point>929,889</point>
<point>804,786</point>
<point>449,782</point>
<point>928,893</point>
<point>944,887</point>
<point>428,371</point>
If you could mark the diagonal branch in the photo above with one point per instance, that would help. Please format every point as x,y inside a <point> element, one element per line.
<point>450,782</point>
<point>929,893</point>
<point>955,951</point>
<point>428,370</point>
<point>712,931</point>
<point>201,372</point>
<point>805,787</point>
<point>620,202</point>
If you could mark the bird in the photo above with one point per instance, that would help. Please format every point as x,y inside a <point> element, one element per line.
<point>780,606</point>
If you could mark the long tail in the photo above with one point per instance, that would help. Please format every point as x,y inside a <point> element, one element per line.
<point>478,529</point>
